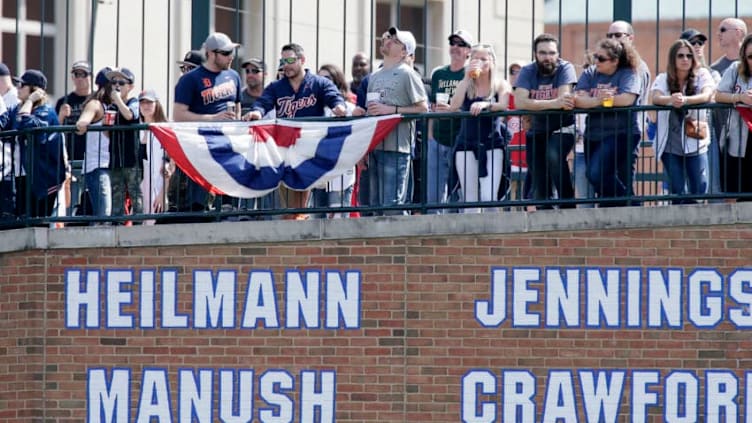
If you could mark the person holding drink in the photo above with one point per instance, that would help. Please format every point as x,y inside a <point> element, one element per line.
<point>611,135</point>
<point>479,148</point>
<point>442,132</point>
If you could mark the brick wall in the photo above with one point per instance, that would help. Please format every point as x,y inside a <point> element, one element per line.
<point>417,339</point>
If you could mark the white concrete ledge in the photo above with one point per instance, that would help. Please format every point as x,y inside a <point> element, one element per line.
<point>277,231</point>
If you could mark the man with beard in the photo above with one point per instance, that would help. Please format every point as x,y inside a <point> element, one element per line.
<point>255,71</point>
<point>546,84</point>
<point>203,94</point>
<point>300,93</point>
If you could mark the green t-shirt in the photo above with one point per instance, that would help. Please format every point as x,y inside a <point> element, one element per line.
<point>444,80</point>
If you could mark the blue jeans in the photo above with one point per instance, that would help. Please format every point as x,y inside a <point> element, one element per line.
<point>582,187</point>
<point>686,174</point>
<point>100,190</point>
<point>611,165</point>
<point>438,161</point>
<point>388,177</point>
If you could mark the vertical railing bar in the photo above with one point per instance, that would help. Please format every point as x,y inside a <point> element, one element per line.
<point>318,34</point>
<point>67,49</point>
<point>167,70</point>
<point>143,43</point>
<point>344,36</point>
<point>117,34</point>
<point>263,38</point>
<point>289,22</point>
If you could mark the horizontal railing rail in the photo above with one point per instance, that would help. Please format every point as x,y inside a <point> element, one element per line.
<point>648,178</point>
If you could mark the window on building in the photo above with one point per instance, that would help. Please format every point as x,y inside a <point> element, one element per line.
<point>28,35</point>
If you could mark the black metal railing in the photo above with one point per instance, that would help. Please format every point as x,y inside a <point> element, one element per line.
<point>646,182</point>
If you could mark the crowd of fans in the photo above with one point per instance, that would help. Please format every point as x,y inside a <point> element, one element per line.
<point>585,147</point>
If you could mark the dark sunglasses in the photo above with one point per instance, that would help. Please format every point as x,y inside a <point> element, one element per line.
<point>288,60</point>
<point>119,82</point>
<point>224,53</point>
<point>685,56</point>
<point>253,71</point>
<point>458,43</point>
<point>600,58</point>
<point>616,34</point>
<point>697,43</point>
<point>79,74</point>
<point>724,29</point>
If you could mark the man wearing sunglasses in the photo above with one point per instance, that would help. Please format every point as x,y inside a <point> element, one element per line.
<point>191,61</point>
<point>203,95</point>
<point>731,32</point>
<point>125,172</point>
<point>442,132</point>
<point>300,93</point>
<point>255,72</point>
<point>69,108</point>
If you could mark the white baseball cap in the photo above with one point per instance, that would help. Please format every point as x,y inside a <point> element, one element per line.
<point>405,37</point>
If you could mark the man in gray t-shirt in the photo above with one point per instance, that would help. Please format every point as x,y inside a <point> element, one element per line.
<point>393,89</point>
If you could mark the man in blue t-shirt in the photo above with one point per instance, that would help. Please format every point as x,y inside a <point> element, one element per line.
<point>546,84</point>
<point>299,93</point>
<point>205,94</point>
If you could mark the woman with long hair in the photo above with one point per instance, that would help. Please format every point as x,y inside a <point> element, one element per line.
<point>156,168</point>
<point>736,88</point>
<point>479,147</point>
<point>338,192</point>
<point>611,135</point>
<point>684,157</point>
<point>97,156</point>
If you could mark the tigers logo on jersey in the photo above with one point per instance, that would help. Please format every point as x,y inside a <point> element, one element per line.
<point>207,82</point>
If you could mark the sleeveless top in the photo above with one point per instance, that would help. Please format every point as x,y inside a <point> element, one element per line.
<point>480,134</point>
<point>97,149</point>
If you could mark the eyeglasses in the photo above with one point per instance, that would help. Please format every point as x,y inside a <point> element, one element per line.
<point>288,60</point>
<point>456,43</point>
<point>186,68</point>
<point>685,56</point>
<point>617,34</point>
<point>119,82</point>
<point>79,74</point>
<point>253,71</point>
<point>600,58</point>
<point>224,53</point>
<point>697,43</point>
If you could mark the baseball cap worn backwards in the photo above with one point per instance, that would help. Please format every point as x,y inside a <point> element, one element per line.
<point>405,37</point>
<point>192,58</point>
